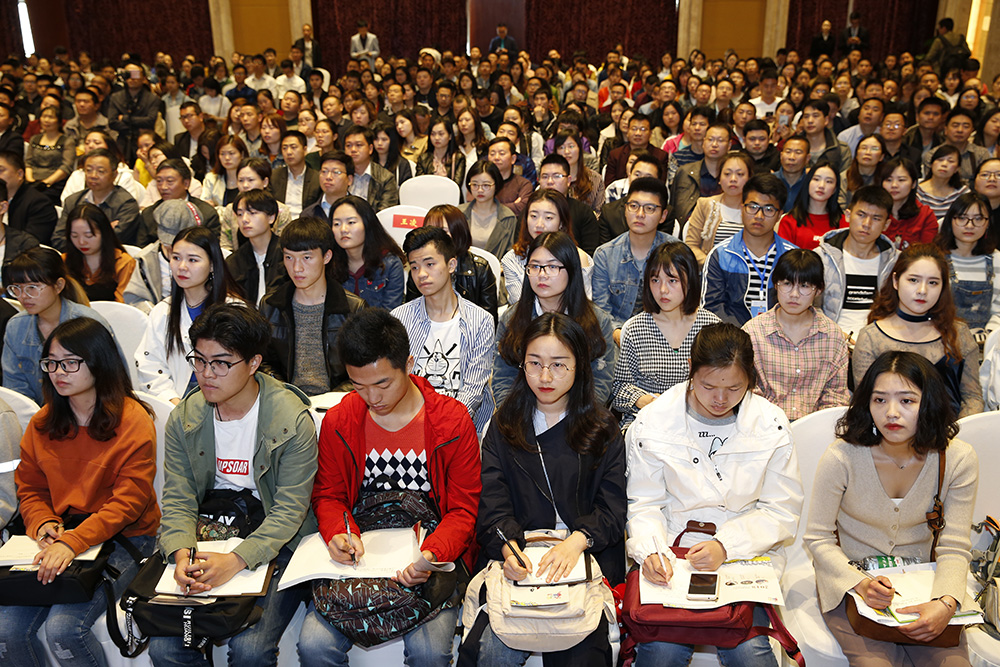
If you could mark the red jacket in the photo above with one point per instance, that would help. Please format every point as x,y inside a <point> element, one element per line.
<point>453,464</point>
<point>921,228</point>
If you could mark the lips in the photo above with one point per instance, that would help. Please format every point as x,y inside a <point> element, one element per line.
<point>546,390</point>
<point>893,427</point>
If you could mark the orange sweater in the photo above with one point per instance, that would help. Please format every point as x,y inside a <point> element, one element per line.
<point>112,481</point>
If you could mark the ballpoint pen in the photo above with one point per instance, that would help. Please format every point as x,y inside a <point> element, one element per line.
<point>511,547</point>
<point>350,544</point>
<point>191,553</point>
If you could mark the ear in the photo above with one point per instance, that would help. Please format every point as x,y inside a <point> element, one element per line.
<point>452,265</point>
<point>59,286</point>
<point>328,257</point>
<point>254,362</point>
<point>895,282</point>
<point>410,361</point>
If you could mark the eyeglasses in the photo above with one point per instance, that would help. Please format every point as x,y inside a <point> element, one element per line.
<point>786,287</point>
<point>552,177</point>
<point>869,149</point>
<point>30,291</point>
<point>68,365</point>
<point>543,269</point>
<point>989,175</point>
<point>753,209</point>
<point>220,368</point>
<point>557,369</point>
<point>481,186</point>
<point>648,209</point>
<point>974,220</point>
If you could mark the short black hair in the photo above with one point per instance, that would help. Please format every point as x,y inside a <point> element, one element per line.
<point>817,105</point>
<point>14,159</point>
<point>798,266</point>
<point>365,132</point>
<point>338,156</point>
<point>237,328</point>
<point>768,185</point>
<point>421,236</point>
<point>934,101</point>
<point>651,185</point>
<point>177,165</point>
<point>756,125</point>
<point>677,259</point>
<point>295,134</point>
<point>708,113</point>
<point>257,200</point>
<point>307,233</point>
<point>874,195</point>
<point>556,159</point>
<point>372,334</point>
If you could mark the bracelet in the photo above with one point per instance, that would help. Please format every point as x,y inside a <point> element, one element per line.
<point>945,603</point>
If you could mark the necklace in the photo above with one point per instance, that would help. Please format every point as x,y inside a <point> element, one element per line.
<point>906,317</point>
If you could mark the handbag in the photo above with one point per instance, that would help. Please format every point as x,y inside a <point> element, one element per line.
<point>866,627</point>
<point>488,601</point>
<point>984,567</point>
<point>723,627</point>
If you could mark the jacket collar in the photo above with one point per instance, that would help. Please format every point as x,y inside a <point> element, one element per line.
<point>336,299</point>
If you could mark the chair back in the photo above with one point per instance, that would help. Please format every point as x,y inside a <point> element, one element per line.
<point>494,263</point>
<point>129,324</point>
<point>24,407</point>
<point>162,409</point>
<point>429,190</point>
<point>400,219</point>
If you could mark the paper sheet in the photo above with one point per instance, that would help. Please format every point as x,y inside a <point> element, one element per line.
<point>739,581</point>
<point>914,584</point>
<point>243,583</point>
<point>535,553</point>
<point>21,550</point>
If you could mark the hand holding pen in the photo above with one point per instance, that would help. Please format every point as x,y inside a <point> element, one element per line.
<point>516,565</point>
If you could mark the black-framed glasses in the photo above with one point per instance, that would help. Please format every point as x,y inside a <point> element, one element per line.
<point>648,209</point>
<point>754,208</point>
<point>974,220</point>
<point>68,365</point>
<point>543,269</point>
<point>220,367</point>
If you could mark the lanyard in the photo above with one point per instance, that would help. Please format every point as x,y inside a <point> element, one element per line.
<point>760,274</point>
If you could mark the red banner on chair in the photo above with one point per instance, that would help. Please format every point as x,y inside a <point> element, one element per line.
<point>407,221</point>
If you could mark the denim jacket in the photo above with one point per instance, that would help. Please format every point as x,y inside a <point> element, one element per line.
<point>385,288</point>
<point>617,276</point>
<point>22,348</point>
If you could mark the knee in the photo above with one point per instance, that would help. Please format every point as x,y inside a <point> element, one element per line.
<point>65,629</point>
<point>318,637</point>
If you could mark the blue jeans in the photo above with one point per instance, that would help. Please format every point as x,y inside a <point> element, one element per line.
<point>593,651</point>
<point>430,644</point>
<point>754,652</point>
<point>67,626</point>
<point>257,645</point>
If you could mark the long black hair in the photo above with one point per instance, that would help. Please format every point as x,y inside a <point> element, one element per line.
<point>378,243</point>
<point>589,425</point>
<point>800,211</point>
<point>88,339</point>
<point>98,223</point>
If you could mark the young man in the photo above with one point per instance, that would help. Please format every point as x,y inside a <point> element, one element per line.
<point>239,88</point>
<point>554,175</point>
<point>29,210</point>
<point>612,222</point>
<point>194,124</point>
<point>926,134</point>
<point>394,424</point>
<point>691,147</point>
<point>100,170</point>
<point>958,127</point>
<point>371,181</point>
<point>757,142</point>
<point>88,116</point>
<point>515,190</point>
<point>259,79</point>
<point>793,158</point>
<point>800,353</point>
<point>307,312</point>
<point>701,178</point>
<point>639,133</point>
<point>823,144</point>
<point>523,161</point>
<point>251,118</point>
<point>257,266</point>
<point>336,173</point>
<point>241,431</point>
<point>858,260</point>
<point>768,100</point>
<point>294,183</point>
<point>869,119</point>
<point>451,339</point>
<point>737,283</point>
<point>619,264</point>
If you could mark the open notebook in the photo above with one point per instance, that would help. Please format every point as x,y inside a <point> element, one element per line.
<point>243,583</point>
<point>21,550</point>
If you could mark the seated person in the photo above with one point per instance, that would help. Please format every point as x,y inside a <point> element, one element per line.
<point>897,428</point>
<point>554,174</point>
<point>38,279</point>
<point>104,489</point>
<point>307,311</point>
<point>372,182</point>
<point>738,282</point>
<point>200,279</point>
<point>366,260</point>
<point>656,343</point>
<point>28,209</point>
<point>13,241</point>
<point>221,185</point>
<point>911,221</point>
<point>553,282</point>
<point>246,417</point>
<point>451,339</point>
<point>857,261</point>
<point>94,256</point>
<point>944,185</point>
<point>550,427</point>
<point>492,225</point>
<point>619,263</point>
<point>336,174</point>
<point>257,266</point>
<point>800,353</point>
<point>719,217</point>
<point>114,201</point>
<point>514,190</point>
<point>253,173</point>
<point>393,411</point>
<point>295,183</point>
<point>162,151</point>
<point>172,179</point>
<point>611,222</point>
<point>816,210</point>
<point>442,156</point>
<point>702,178</point>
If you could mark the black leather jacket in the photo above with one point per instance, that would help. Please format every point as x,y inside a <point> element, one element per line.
<point>243,265</point>
<point>473,280</point>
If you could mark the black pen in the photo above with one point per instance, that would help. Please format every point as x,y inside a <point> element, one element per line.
<point>350,543</point>
<point>511,547</point>
<point>191,553</point>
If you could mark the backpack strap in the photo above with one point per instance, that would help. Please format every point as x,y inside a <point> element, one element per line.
<point>780,633</point>
<point>935,518</point>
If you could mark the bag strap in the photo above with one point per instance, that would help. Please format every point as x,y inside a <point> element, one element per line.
<point>706,527</point>
<point>131,646</point>
<point>780,633</point>
<point>935,518</point>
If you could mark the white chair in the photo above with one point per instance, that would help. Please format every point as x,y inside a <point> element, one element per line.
<point>162,409</point>
<point>399,220</point>
<point>132,250</point>
<point>429,190</point>
<point>812,435</point>
<point>24,407</point>
<point>326,77</point>
<point>129,324</point>
<point>494,263</point>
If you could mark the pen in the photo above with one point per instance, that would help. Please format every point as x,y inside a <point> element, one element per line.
<point>511,547</point>
<point>874,578</point>
<point>659,554</point>
<point>191,553</point>
<point>347,527</point>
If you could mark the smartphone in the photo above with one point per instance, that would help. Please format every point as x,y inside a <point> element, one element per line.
<point>783,119</point>
<point>703,587</point>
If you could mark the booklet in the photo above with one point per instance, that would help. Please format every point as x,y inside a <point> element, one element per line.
<point>752,580</point>
<point>244,582</point>
<point>387,551</point>
<point>535,553</point>
<point>21,550</point>
<point>914,584</point>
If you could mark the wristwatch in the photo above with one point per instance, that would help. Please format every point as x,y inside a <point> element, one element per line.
<point>590,540</point>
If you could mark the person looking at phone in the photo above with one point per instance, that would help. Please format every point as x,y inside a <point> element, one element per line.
<point>711,450</point>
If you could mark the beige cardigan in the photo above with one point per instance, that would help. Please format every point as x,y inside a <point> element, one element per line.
<point>848,498</point>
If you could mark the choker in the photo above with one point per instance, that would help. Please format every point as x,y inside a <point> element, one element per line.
<point>906,317</point>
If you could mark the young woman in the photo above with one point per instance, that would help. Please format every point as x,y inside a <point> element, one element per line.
<point>366,260</point>
<point>307,126</point>
<point>253,173</point>
<point>471,139</point>
<point>213,103</point>
<point>234,119</point>
<point>493,225</point>
<point>412,142</point>
<point>670,125</point>
<point>265,101</point>
<point>951,87</point>
<point>972,262</point>
<point>51,154</point>
<point>909,221</point>
<point>387,151</point>
<point>988,132</point>
<point>363,114</point>
<point>272,131</point>
<point>718,218</point>
<point>442,156</point>
<point>200,278</point>
<point>325,134</point>
<point>783,115</point>
<point>584,184</point>
<point>38,279</point>
<point>800,353</point>
<point>95,257</point>
<point>550,428</point>
<point>816,210</point>
<point>863,167</point>
<point>554,284</point>
<point>614,135</point>
<point>220,186</point>
<point>872,491</point>
<point>711,450</point>
<point>205,155</point>
<point>915,312</point>
<point>944,185</point>
<point>467,84</point>
<point>656,343</point>
<point>546,211</point>
<point>986,182</point>
<point>86,474</point>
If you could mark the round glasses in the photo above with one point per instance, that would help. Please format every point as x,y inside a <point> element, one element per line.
<point>557,369</point>
<point>30,291</point>
<point>220,368</point>
<point>786,287</point>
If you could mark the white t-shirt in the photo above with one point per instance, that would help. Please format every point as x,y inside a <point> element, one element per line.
<point>440,357</point>
<point>859,292</point>
<point>763,108</point>
<point>235,442</point>
<point>710,434</point>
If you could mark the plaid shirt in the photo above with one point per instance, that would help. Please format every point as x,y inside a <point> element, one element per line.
<point>800,378</point>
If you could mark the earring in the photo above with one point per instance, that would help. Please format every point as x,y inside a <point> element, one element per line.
<point>874,429</point>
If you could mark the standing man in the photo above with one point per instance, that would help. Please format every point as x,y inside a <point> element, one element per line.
<point>364,44</point>
<point>311,53</point>
<point>502,43</point>
<point>132,109</point>
<point>854,36</point>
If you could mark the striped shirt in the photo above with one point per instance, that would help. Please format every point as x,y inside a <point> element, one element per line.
<point>759,267</point>
<point>939,205</point>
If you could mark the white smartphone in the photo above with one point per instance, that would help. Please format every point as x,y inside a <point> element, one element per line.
<point>703,587</point>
